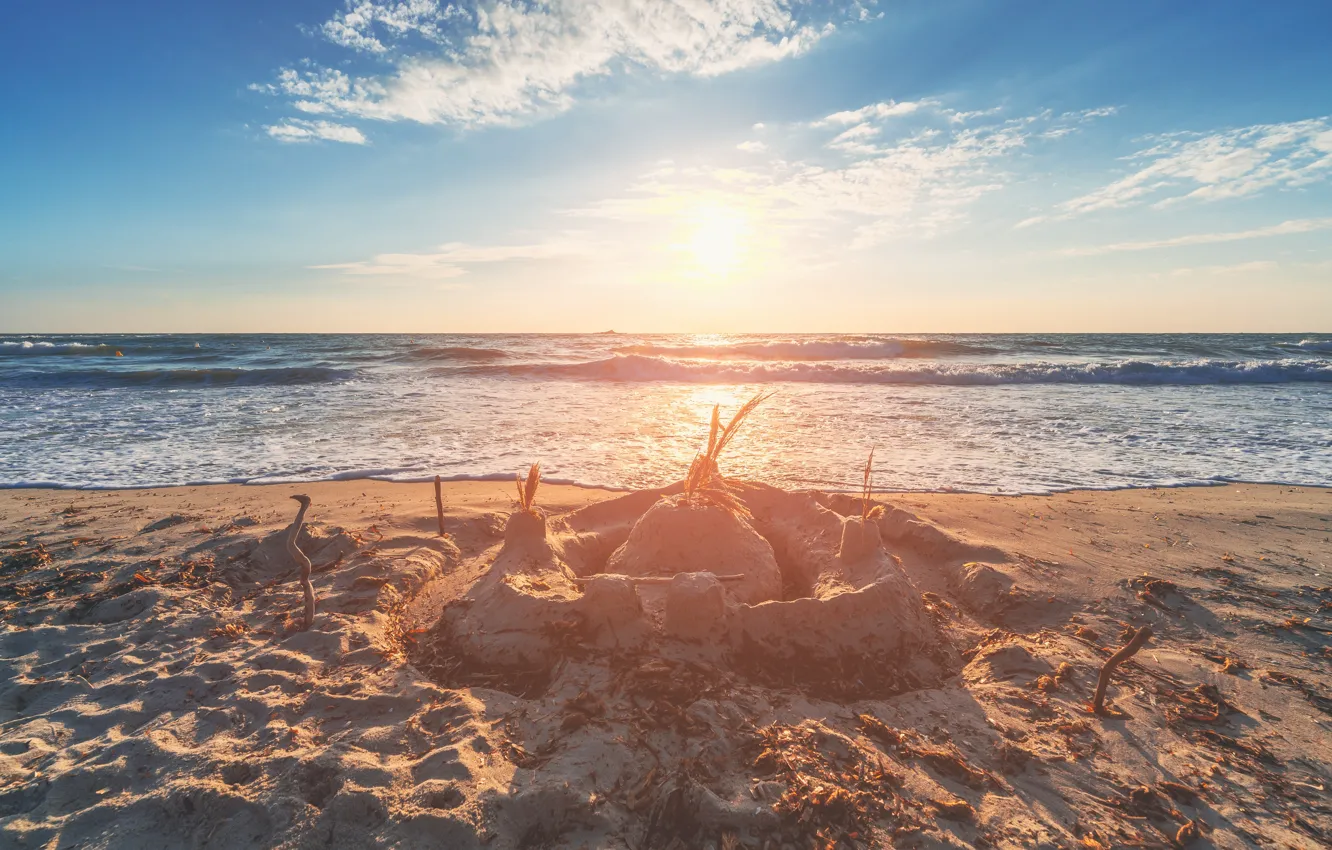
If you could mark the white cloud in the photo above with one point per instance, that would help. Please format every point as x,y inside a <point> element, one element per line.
<point>856,139</point>
<point>963,117</point>
<point>297,130</point>
<point>1098,112</point>
<point>366,26</point>
<point>454,259</point>
<point>1285,228</point>
<point>868,180</point>
<point>874,111</point>
<point>751,147</point>
<point>506,61</point>
<point>1185,167</point>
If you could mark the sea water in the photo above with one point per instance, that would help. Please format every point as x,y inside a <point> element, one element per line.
<point>1009,413</point>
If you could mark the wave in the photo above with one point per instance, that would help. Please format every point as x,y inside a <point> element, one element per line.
<point>111,378</point>
<point>807,350</point>
<point>639,368</point>
<point>457,352</point>
<point>27,347</point>
<point>1319,345</point>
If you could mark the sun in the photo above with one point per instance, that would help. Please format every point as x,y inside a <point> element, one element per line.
<point>717,241</point>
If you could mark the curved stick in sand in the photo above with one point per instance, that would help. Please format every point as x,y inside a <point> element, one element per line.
<point>1124,654</point>
<point>299,557</point>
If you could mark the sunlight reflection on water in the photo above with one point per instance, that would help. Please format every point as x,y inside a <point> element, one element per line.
<point>397,419</point>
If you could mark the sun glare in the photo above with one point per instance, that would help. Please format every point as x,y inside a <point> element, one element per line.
<point>717,240</point>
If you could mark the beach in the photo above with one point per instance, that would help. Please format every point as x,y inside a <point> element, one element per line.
<point>686,425</point>
<point>159,688</point>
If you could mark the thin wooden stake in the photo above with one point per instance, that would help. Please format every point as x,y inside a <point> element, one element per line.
<point>439,507</point>
<point>299,557</point>
<point>1124,654</point>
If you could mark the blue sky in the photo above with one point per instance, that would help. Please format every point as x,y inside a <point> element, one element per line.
<point>745,165</point>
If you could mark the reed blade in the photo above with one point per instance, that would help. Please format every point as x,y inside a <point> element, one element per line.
<point>867,487</point>
<point>714,430</point>
<point>529,490</point>
<point>728,433</point>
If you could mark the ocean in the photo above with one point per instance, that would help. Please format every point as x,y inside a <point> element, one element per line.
<point>991,413</point>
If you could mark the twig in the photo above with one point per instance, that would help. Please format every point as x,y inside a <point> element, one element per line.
<point>439,507</point>
<point>1124,654</point>
<point>299,557</point>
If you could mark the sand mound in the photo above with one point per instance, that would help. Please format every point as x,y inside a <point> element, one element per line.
<point>247,560</point>
<point>703,577</point>
<point>849,605</point>
<point>512,619</point>
<point>680,536</point>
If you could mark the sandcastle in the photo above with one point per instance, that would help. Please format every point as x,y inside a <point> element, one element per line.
<point>764,581</point>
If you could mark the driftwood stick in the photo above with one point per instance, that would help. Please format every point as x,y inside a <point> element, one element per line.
<point>1125,652</point>
<point>439,507</point>
<point>299,557</point>
<point>651,579</point>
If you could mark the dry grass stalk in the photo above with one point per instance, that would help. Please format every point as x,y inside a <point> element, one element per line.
<point>527,488</point>
<point>299,557</point>
<point>704,481</point>
<point>867,491</point>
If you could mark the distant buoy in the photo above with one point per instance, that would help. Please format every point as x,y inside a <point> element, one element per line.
<point>118,354</point>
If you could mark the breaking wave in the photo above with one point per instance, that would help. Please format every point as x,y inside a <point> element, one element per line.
<point>1319,345</point>
<point>457,352</point>
<point>640,368</point>
<point>111,378</point>
<point>808,350</point>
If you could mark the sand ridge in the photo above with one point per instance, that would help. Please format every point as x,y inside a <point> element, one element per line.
<point>156,688</point>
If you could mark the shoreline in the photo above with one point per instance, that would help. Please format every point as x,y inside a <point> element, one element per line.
<point>507,478</point>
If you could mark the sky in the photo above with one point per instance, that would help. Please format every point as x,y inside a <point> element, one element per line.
<point>666,165</point>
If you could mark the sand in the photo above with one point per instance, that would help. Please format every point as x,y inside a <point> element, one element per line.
<point>155,689</point>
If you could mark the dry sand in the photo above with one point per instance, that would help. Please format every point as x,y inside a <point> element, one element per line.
<point>154,690</point>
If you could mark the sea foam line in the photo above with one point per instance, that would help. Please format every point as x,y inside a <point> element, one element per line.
<point>807,350</point>
<point>640,368</point>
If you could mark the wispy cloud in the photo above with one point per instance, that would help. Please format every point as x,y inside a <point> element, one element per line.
<point>508,61</point>
<point>1285,228</point>
<point>874,111</point>
<point>297,130</point>
<point>1183,167</point>
<point>869,179</point>
<point>454,259</point>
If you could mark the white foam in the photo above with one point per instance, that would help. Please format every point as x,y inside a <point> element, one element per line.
<point>641,368</point>
<point>806,350</point>
<point>1098,413</point>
